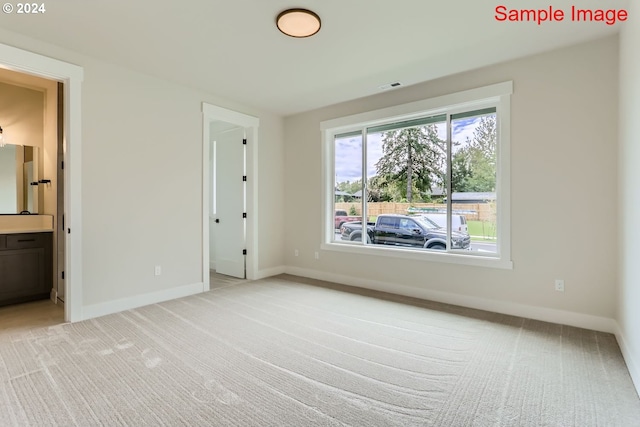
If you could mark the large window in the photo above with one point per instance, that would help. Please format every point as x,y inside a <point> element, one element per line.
<point>426,180</point>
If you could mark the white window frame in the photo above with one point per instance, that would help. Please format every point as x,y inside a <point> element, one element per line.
<point>498,96</point>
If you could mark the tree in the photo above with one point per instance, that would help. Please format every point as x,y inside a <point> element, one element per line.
<point>379,190</point>
<point>461,170</point>
<point>474,165</point>
<point>349,187</point>
<point>413,159</point>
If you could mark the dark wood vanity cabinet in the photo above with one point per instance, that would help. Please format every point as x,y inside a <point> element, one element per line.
<point>26,267</point>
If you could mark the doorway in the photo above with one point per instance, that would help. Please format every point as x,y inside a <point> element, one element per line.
<point>229,193</point>
<point>71,77</point>
<point>227,233</point>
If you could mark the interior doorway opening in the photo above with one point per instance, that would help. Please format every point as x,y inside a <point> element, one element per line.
<point>229,193</point>
<point>32,115</point>
<point>227,214</point>
<point>28,63</point>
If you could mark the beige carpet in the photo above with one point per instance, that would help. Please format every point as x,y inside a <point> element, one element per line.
<point>217,280</point>
<point>281,352</point>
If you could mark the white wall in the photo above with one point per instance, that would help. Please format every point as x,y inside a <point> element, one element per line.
<point>629,295</point>
<point>142,180</point>
<point>142,206</point>
<point>564,199</point>
<point>271,209</point>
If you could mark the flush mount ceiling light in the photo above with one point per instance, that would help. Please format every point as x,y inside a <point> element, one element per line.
<point>298,22</point>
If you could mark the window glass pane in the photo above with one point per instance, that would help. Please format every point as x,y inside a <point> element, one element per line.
<point>473,178</point>
<point>406,169</point>
<point>347,186</point>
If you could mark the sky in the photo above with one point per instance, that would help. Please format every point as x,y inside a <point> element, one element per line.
<point>348,151</point>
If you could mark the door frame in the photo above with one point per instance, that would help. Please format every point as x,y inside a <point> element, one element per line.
<point>71,76</point>
<point>213,113</point>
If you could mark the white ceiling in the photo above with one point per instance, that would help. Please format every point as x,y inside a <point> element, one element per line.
<point>232,48</point>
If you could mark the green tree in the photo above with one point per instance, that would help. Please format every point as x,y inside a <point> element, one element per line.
<point>348,187</point>
<point>473,167</point>
<point>461,170</point>
<point>413,160</point>
<point>379,190</point>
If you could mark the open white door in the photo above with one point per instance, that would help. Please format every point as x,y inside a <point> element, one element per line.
<point>230,201</point>
<point>219,251</point>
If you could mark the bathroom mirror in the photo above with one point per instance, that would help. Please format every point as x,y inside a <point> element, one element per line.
<point>18,170</point>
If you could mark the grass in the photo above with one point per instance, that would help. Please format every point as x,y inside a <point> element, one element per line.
<point>482,230</point>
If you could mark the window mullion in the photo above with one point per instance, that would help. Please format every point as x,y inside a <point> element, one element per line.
<point>448,183</point>
<point>365,197</point>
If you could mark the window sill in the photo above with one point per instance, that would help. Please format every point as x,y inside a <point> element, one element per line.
<point>431,256</point>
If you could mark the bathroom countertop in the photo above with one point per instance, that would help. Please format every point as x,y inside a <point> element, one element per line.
<point>26,230</point>
<point>11,224</point>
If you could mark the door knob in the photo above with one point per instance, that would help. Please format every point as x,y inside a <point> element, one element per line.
<point>217,221</point>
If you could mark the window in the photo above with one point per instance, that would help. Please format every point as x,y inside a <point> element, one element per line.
<point>430,179</point>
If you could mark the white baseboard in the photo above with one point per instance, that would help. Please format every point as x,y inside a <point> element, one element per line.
<point>579,320</point>
<point>630,359</point>
<point>268,272</point>
<point>115,306</point>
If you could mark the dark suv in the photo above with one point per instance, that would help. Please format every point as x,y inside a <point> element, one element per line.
<point>403,230</point>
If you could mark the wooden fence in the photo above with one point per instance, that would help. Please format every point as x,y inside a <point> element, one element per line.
<point>472,211</point>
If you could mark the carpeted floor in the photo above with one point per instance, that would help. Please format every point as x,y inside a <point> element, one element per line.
<point>285,352</point>
<point>217,280</point>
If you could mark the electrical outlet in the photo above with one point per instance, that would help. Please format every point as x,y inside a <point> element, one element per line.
<point>296,253</point>
<point>559,285</point>
<point>317,255</point>
<point>158,270</point>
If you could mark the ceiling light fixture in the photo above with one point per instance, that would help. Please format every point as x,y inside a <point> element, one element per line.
<point>298,23</point>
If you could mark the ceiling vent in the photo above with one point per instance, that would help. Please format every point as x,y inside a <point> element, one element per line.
<point>390,86</point>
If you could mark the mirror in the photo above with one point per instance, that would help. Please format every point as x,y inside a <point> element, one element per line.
<point>18,169</point>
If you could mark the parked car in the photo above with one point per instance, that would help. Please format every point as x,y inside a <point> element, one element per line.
<point>404,230</point>
<point>458,222</point>
<point>342,216</point>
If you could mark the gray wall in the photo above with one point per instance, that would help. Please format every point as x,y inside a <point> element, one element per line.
<point>629,300</point>
<point>142,183</point>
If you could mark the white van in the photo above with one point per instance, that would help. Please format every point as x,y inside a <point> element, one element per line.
<point>458,222</point>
